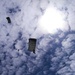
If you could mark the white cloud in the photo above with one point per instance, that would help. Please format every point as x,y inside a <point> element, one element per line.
<point>60,59</point>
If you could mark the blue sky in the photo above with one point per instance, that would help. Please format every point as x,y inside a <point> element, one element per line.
<point>55,52</point>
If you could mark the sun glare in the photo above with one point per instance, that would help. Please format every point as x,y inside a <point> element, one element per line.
<point>51,20</point>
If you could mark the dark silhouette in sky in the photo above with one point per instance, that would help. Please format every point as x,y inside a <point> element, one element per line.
<point>32,44</point>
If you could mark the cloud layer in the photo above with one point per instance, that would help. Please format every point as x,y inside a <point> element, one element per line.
<point>55,53</point>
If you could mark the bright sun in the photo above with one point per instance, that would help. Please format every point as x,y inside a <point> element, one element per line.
<point>51,20</point>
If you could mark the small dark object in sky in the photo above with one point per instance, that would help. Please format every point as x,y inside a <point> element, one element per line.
<point>8,19</point>
<point>32,44</point>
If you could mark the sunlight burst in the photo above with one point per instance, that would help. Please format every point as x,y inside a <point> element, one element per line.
<point>51,20</point>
